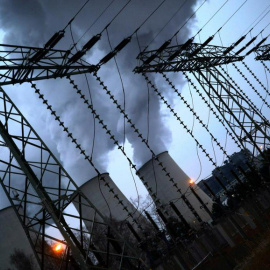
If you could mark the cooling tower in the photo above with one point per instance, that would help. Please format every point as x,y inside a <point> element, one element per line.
<point>166,192</point>
<point>105,202</point>
<point>12,236</point>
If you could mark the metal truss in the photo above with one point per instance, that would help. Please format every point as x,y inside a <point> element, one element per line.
<point>20,64</point>
<point>263,53</point>
<point>246,122</point>
<point>184,58</point>
<point>43,196</point>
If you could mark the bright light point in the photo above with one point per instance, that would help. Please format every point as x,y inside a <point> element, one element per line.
<point>261,147</point>
<point>58,247</point>
<point>191,181</point>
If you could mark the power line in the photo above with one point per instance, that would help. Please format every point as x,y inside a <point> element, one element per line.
<point>94,22</point>
<point>212,17</point>
<point>78,12</point>
<point>180,7</point>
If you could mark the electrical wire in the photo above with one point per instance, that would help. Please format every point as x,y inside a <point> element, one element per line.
<point>264,10</point>
<point>226,136</point>
<point>94,124</point>
<point>191,16</point>
<point>94,22</point>
<point>231,16</point>
<point>151,14</point>
<point>138,196</point>
<point>148,113</point>
<point>180,7</point>
<point>199,159</point>
<point>118,13</point>
<point>212,17</point>
<point>78,12</point>
<point>94,120</point>
<point>122,84</point>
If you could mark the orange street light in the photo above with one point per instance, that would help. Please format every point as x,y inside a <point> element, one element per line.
<point>191,181</point>
<point>58,248</point>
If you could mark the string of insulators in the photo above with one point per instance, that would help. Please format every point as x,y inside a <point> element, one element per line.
<point>240,90</point>
<point>198,118</point>
<point>222,122</point>
<point>157,52</point>
<point>117,49</point>
<point>136,130</point>
<point>83,151</point>
<point>251,85</point>
<point>49,45</point>
<point>234,45</point>
<point>235,100</point>
<point>253,105</point>
<point>54,39</point>
<point>182,48</point>
<point>213,111</point>
<point>243,48</point>
<point>255,77</point>
<point>257,46</point>
<point>195,52</point>
<point>112,137</point>
<point>182,124</point>
<point>89,44</point>
<point>79,54</point>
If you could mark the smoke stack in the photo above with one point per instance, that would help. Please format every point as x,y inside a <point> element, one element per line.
<point>166,192</point>
<point>104,200</point>
<point>12,237</point>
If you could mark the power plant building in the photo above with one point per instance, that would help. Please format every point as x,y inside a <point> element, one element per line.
<point>166,192</point>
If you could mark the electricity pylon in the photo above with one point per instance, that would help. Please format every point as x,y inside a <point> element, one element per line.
<point>38,187</point>
<point>247,123</point>
<point>20,64</point>
<point>263,53</point>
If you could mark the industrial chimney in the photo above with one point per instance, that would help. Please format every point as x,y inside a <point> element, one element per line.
<point>104,200</point>
<point>166,192</point>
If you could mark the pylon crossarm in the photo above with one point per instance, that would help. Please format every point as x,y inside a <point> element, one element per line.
<point>20,64</point>
<point>263,53</point>
<point>177,58</point>
<point>41,191</point>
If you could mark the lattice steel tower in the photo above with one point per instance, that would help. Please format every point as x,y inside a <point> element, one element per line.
<point>204,62</point>
<point>37,186</point>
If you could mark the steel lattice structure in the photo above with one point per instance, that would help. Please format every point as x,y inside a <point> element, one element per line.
<point>20,64</point>
<point>245,120</point>
<point>39,189</point>
<point>178,58</point>
<point>263,53</point>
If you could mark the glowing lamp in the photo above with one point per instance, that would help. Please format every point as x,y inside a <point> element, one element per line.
<point>191,181</point>
<point>58,248</point>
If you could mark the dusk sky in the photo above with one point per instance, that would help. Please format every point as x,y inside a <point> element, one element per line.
<point>32,23</point>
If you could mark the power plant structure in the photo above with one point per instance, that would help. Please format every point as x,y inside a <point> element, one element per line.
<point>164,190</point>
<point>186,228</point>
<point>102,194</point>
<point>12,238</point>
